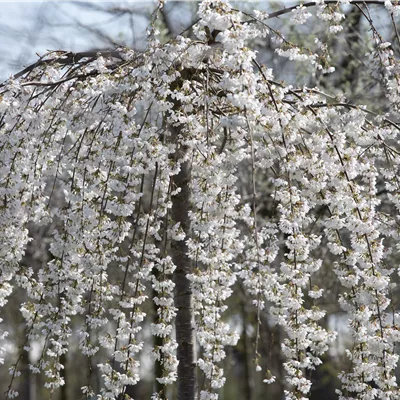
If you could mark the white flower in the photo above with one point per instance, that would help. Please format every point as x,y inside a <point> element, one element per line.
<point>300,15</point>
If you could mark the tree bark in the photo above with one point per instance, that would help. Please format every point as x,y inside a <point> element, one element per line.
<point>248,384</point>
<point>183,293</point>
<point>63,373</point>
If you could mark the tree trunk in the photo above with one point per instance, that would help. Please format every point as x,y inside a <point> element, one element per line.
<point>248,384</point>
<point>183,293</point>
<point>63,373</point>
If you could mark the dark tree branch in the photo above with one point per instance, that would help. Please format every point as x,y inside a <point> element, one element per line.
<point>313,3</point>
<point>68,58</point>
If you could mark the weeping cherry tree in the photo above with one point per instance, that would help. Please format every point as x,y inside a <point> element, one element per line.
<point>146,149</point>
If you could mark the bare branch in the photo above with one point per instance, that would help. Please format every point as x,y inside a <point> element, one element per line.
<point>313,3</point>
<point>68,58</point>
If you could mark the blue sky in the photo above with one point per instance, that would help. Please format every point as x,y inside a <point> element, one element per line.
<point>30,28</point>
